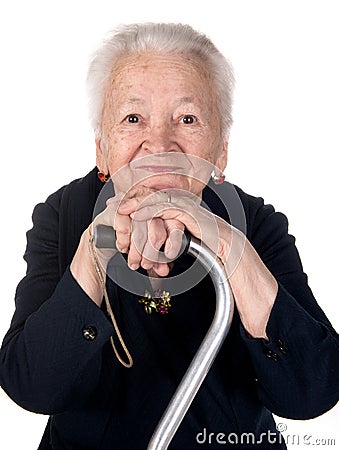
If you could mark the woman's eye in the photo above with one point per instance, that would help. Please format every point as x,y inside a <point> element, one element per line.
<point>132,118</point>
<point>188,119</point>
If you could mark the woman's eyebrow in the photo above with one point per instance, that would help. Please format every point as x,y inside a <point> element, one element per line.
<point>185,100</point>
<point>135,100</point>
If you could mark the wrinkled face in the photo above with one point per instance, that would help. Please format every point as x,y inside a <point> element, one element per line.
<point>160,124</point>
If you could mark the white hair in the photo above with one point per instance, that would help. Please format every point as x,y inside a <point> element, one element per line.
<point>171,38</point>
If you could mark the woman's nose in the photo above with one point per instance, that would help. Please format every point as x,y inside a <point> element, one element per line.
<point>160,139</point>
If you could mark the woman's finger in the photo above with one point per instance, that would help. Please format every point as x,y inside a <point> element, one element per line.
<point>123,229</point>
<point>175,231</point>
<point>156,238</point>
<point>199,222</point>
<point>131,200</point>
<point>164,197</point>
<point>137,244</point>
<point>120,223</point>
<point>170,213</point>
<point>162,269</point>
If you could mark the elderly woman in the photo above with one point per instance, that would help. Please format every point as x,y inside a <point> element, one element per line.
<point>161,110</point>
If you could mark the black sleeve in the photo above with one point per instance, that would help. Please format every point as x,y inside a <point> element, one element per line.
<point>48,362</point>
<point>297,369</point>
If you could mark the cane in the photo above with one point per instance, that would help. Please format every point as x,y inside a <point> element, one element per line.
<point>175,412</point>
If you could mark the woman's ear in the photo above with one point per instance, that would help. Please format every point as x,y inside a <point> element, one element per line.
<point>101,156</point>
<point>221,161</point>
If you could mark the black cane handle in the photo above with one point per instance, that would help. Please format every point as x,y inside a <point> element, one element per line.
<point>104,236</point>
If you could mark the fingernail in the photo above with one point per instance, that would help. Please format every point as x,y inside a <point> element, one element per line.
<point>134,266</point>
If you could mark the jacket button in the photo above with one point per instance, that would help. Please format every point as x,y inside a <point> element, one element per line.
<point>281,346</point>
<point>271,354</point>
<point>89,333</point>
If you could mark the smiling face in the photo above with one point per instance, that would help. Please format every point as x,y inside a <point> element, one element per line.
<point>160,121</point>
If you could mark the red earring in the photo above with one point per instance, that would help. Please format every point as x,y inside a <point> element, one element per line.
<point>103,177</point>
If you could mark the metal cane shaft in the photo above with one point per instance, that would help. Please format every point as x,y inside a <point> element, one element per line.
<point>206,353</point>
<point>104,236</point>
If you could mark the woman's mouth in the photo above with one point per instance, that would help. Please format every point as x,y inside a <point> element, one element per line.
<point>160,169</point>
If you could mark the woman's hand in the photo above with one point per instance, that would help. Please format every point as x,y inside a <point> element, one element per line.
<point>179,210</point>
<point>253,286</point>
<point>141,242</point>
<point>83,270</point>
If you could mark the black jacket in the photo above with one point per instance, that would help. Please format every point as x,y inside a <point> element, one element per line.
<point>47,366</point>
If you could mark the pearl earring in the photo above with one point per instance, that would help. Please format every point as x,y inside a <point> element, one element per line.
<point>218,179</point>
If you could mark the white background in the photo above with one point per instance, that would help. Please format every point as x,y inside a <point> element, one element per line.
<point>283,146</point>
